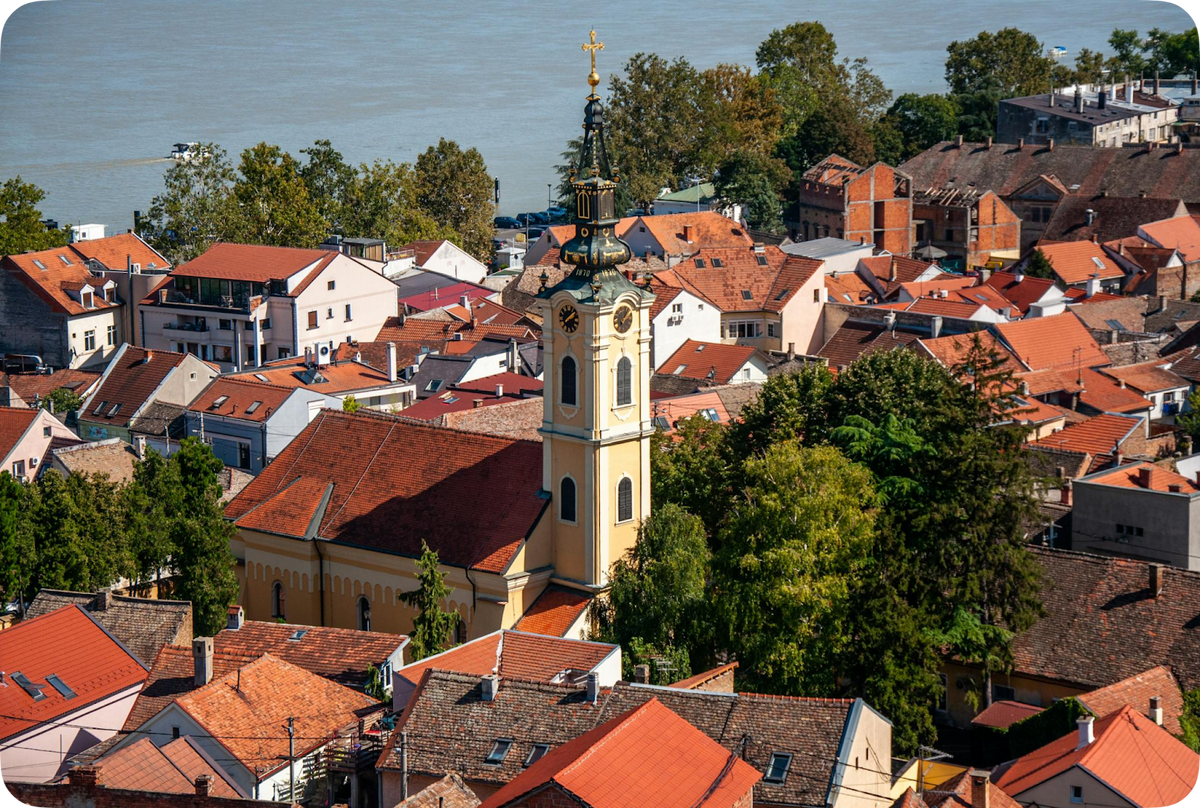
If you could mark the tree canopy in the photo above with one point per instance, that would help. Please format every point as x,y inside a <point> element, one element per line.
<point>21,227</point>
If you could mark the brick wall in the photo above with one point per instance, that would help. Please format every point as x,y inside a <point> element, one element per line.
<point>27,325</point>
<point>1177,283</point>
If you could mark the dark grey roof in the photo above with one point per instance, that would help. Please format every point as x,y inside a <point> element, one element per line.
<point>143,625</point>
<point>451,728</point>
<point>160,418</point>
<point>1064,107</point>
<point>821,248</point>
<point>448,369</point>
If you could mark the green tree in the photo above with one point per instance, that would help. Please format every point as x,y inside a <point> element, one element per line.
<point>789,553</point>
<point>790,406</point>
<point>977,111</point>
<point>1189,720</point>
<point>977,643</point>
<point>16,540</point>
<point>1190,420</point>
<point>739,111</point>
<point>381,202</point>
<point>1089,67</point>
<point>658,598</point>
<point>1013,59</point>
<point>691,468</point>
<point>328,178</point>
<point>923,120</point>
<point>101,538</point>
<point>1173,54</point>
<point>1127,56</point>
<point>195,210</point>
<point>201,537</point>
<point>21,228</point>
<point>653,118</point>
<point>376,688</point>
<point>888,141</point>
<point>350,404</point>
<point>757,182</point>
<point>1039,266</point>
<point>54,526</point>
<point>273,202</point>
<point>454,189</point>
<point>431,626</point>
<point>150,502</point>
<point>833,128</point>
<point>62,401</point>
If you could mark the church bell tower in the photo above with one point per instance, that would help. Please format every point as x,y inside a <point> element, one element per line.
<point>597,420</point>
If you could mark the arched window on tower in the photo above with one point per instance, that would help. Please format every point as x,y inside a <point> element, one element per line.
<point>364,614</point>
<point>624,500</point>
<point>278,600</point>
<point>624,381</point>
<point>566,500</point>
<point>567,386</point>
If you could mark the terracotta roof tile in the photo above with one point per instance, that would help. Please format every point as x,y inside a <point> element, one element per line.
<point>1136,691</point>
<point>554,611</point>
<point>34,386</point>
<point>1096,436</point>
<point>713,361</point>
<point>1096,390</point>
<point>741,279</point>
<point>338,377</point>
<point>252,262</point>
<point>1147,377</point>
<point>169,769</point>
<point>516,420</point>
<point>1077,262</point>
<point>116,252</point>
<point>848,288</point>
<point>113,457</point>
<point>400,497</point>
<point>1134,475</point>
<point>142,625</point>
<point>1023,292</point>
<point>951,351</point>
<point>1003,714</point>
<point>676,408</point>
<point>1181,233</point>
<point>662,761</point>
<point>708,230</point>
<point>14,423</point>
<point>69,644</point>
<point>267,692</point>
<point>853,340</point>
<point>238,395</point>
<point>704,677</point>
<point>1051,342</point>
<point>1112,217</point>
<point>1130,754</point>
<point>956,793</point>
<point>134,375</point>
<point>522,655</point>
<point>449,792</point>
<point>47,272</point>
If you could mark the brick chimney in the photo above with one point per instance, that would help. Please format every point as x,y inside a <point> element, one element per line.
<point>85,776</point>
<point>1156,579</point>
<point>641,674</point>
<point>204,784</point>
<point>235,618</point>
<point>980,789</point>
<point>102,602</point>
<point>202,657</point>
<point>1144,476</point>
<point>1064,497</point>
<point>1156,714</point>
<point>1086,734</point>
<point>687,233</point>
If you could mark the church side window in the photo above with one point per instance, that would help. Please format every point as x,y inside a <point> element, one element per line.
<point>364,614</point>
<point>566,500</point>
<point>568,395</point>
<point>624,381</point>
<point>624,500</point>
<point>278,600</point>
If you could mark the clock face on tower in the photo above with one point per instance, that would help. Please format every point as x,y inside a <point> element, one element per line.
<point>568,318</point>
<point>623,319</point>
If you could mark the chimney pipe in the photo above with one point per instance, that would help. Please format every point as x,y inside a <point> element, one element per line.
<point>1078,101</point>
<point>392,370</point>
<point>1144,477</point>
<point>235,618</point>
<point>958,141</point>
<point>935,327</point>
<point>203,785</point>
<point>1064,495</point>
<point>1156,713</point>
<point>1020,143</point>
<point>1156,579</point>
<point>593,687</point>
<point>980,796</point>
<point>1102,99</point>
<point>1086,735</point>
<point>1091,217</point>
<point>490,684</point>
<point>140,446</point>
<point>202,656</point>
<point>1050,144</point>
<point>465,301</point>
<point>989,141</point>
<point>102,602</point>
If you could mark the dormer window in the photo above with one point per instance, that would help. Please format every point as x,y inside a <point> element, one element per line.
<point>110,294</point>
<point>88,299</point>
<point>699,263</point>
<point>499,751</point>
<point>777,769</point>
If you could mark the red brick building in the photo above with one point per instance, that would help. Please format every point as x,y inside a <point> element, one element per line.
<point>971,227</point>
<point>841,199</point>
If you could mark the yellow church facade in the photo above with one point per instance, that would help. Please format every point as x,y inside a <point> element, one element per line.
<point>330,532</point>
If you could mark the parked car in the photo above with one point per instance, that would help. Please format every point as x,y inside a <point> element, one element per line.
<point>535,232</point>
<point>533,218</point>
<point>507,223</point>
<point>556,213</point>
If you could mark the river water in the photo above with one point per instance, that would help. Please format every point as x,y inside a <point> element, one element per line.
<point>94,92</point>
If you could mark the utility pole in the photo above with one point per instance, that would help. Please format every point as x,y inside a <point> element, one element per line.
<point>291,731</point>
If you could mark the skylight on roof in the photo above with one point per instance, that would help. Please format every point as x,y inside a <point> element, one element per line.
<point>434,385</point>
<point>711,414</point>
<point>261,377</point>
<point>699,263</point>
<point>1097,262</point>
<point>717,262</point>
<point>38,264</point>
<point>298,635</point>
<point>782,294</point>
<point>1115,325</point>
<point>218,401</point>
<point>661,422</point>
<point>65,260</point>
<point>499,751</point>
<point>762,260</point>
<point>538,751</point>
<point>115,409</point>
<point>451,399</point>
<point>680,369</point>
<point>60,686</point>
<point>34,691</point>
<point>746,295</point>
<point>100,408</point>
<point>777,769</point>
<point>700,348</point>
<point>253,406</point>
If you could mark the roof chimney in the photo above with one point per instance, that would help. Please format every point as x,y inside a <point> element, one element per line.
<point>204,784</point>
<point>102,602</point>
<point>477,403</point>
<point>687,233</point>
<point>1144,476</point>
<point>1091,217</point>
<point>1156,714</point>
<point>149,356</point>
<point>1102,99</point>
<point>202,656</point>
<point>935,327</point>
<point>1156,579</point>
<point>989,141</point>
<point>499,391</point>
<point>1050,144</point>
<point>1078,101</point>
<point>465,302</point>
<point>1086,735</point>
<point>1064,493</point>
<point>1093,284</point>
<point>84,776</point>
<point>391,362</point>
<point>958,141</point>
<point>235,618</point>
<point>593,687</point>
<point>892,270</point>
<point>1020,143</point>
<point>489,686</point>
<point>641,674</point>
<point>980,796</point>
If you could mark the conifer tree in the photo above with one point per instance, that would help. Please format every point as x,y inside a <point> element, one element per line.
<point>431,626</point>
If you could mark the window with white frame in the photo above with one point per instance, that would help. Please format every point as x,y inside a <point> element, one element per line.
<point>743,329</point>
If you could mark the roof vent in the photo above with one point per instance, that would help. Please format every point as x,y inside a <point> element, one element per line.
<point>235,618</point>
<point>593,687</point>
<point>1086,735</point>
<point>1156,713</point>
<point>1156,579</point>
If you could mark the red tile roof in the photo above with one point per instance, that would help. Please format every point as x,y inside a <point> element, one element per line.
<point>70,644</point>
<point>1131,475</point>
<point>848,288</point>
<point>956,793</point>
<point>1096,436</point>
<point>444,296</point>
<point>237,396</point>
<point>951,351</point>
<point>714,361</point>
<point>709,230</point>
<point>424,249</point>
<point>1147,377</point>
<point>1095,389</point>
<point>409,483</point>
<point>14,423</point>
<point>1130,754</point>
<point>853,340</point>
<point>1136,691</point>
<point>339,377</point>
<point>1051,342</point>
<point>169,769</point>
<point>663,296</point>
<point>1021,293</point>
<point>746,280</point>
<point>455,400</point>
<point>1077,262</point>
<point>520,655</point>
<point>694,682</point>
<point>905,270</point>
<point>34,386</point>
<point>554,611</point>
<point>1180,233</point>
<point>134,375</point>
<point>646,756</point>
<point>61,268</point>
<point>253,262</point>
<point>240,708</point>
<point>677,408</point>
<point>945,307</point>
<point>116,252</point>
<point>512,383</point>
<point>1003,714</point>
<point>173,674</point>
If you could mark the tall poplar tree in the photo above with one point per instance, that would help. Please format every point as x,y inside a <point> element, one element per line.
<point>431,626</point>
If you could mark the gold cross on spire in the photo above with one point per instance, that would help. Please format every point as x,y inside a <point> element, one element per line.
<point>593,77</point>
